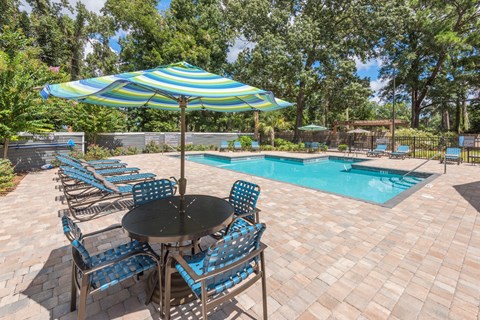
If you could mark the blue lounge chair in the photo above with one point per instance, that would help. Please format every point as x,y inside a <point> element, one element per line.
<point>223,146</point>
<point>237,146</point>
<point>402,152</point>
<point>85,164</point>
<point>379,151</point>
<point>105,172</point>
<point>255,146</point>
<point>225,269</point>
<point>93,273</point>
<point>453,154</point>
<point>93,162</point>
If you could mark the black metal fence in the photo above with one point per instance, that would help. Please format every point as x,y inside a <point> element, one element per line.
<point>423,148</point>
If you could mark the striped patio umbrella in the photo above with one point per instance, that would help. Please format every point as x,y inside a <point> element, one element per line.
<point>179,86</point>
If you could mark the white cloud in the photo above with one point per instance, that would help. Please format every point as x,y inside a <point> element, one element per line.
<point>367,64</point>
<point>376,86</point>
<point>91,5</point>
<point>24,6</point>
<point>238,47</point>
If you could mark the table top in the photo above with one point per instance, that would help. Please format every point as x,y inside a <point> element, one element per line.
<point>162,221</point>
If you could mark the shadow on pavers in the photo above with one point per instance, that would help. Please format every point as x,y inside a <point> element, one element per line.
<point>469,191</point>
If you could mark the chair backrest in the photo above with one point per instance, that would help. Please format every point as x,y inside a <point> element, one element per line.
<point>315,145</point>
<point>90,180</point>
<point>255,144</point>
<point>231,248</point>
<point>453,151</point>
<point>308,144</point>
<point>243,197</point>
<point>403,149</point>
<point>69,162</point>
<point>237,144</point>
<point>75,236</point>
<point>381,147</point>
<point>152,190</point>
<point>224,144</point>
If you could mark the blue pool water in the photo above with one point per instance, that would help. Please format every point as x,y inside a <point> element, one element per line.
<point>332,175</point>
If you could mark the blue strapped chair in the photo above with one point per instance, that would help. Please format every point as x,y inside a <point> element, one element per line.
<point>225,269</point>
<point>255,146</point>
<point>402,152</point>
<point>91,161</point>
<point>152,190</point>
<point>315,146</point>
<point>308,145</point>
<point>111,171</point>
<point>223,146</point>
<point>243,197</point>
<point>379,151</point>
<point>93,273</point>
<point>453,154</point>
<point>100,165</point>
<point>237,146</point>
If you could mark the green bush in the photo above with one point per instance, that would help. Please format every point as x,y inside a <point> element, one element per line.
<point>281,142</point>
<point>199,147</point>
<point>96,152</point>
<point>125,151</point>
<point>342,147</point>
<point>323,147</point>
<point>6,175</point>
<point>245,141</point>
<point>133,151</point>
<point>153,147</point>
<point>268,147</point>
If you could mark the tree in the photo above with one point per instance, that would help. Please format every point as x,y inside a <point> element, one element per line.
<point>271,121</point>
<point>21,107</point>
<point>427,33</point>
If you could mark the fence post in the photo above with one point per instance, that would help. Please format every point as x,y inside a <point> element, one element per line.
<point>371,143</point>
<point>414,146</point>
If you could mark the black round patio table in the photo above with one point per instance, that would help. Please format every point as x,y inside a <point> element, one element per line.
<point>162,221</point>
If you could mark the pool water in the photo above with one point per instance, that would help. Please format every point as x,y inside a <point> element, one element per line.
<point>332,175</point>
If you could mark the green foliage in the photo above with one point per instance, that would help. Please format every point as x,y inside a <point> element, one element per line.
<point>6,175</point>
<point>268,147</point>
<point>245,141</point>
<point>96,152</point>
<point>152,147</point>
<point>200,147</point>
<point>342,147</point>
<point>125,151</point>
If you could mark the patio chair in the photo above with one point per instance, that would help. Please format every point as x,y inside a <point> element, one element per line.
<point>453,154</point>
<point>402,152</point>
<point>224,270</point>
<point>112,171</point>
<point>243,197</point>
<point>255,146</point>
<point>308,145</point>
<point>223,146</point>
<point>100,166</point>
<point>379,151</point>
<point>91,161</point>
<point>122,179</point>
<point>314,146</point>
<point>93,273</point>
<point>237,146</point>
<point>95,192</point>
<point>152,190</point>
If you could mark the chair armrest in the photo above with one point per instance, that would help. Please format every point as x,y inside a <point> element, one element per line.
<point>204,276</point>
<point>125,257</point>
<point>256,210</point>
<point>112,227</point>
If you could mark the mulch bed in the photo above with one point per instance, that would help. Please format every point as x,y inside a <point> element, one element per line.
<point>16,180</point>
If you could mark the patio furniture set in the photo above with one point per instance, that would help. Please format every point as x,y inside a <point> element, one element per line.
<point>403,151</point>
<point>182,270</point>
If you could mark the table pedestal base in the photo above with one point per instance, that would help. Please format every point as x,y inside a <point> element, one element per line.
<point>180,291</point>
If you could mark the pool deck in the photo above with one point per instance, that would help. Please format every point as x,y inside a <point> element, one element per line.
<point>329,257</point>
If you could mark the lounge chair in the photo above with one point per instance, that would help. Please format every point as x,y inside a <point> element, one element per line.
<point>237,146</point>
<point>85,164</point>
<point>93,273</point>
<point>453,154</point>
<point>224,270</point>
<point>402,152</point>
<point>91,161</point>
<point>105,172</point>
<point>255,146</point>
<point>223,146</point>
<point>379,151</point>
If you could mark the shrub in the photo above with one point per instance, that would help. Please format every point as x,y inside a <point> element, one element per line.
<point>342,147</point>
<point>268,147</point>
<point>119,151</point>
<point>153,147</point>
<point>6,175</point>
<point>245,141</point>
<point>323,147</point>
<point>132,151</point>
<point>96,152</point>
<point>281,142</point>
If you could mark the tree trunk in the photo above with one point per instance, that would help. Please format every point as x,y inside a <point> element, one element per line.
<point>466,121</point>
<point>300,106</point>
<point>272,137</point>
<point>415,109</point>
<point>5,148</point>
<point>458,115</point>
<point>256,125</point>
<point>447,120</point>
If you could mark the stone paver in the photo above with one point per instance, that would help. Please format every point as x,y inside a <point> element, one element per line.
<point>329,257</point>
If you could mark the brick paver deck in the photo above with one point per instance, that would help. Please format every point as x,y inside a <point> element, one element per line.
<point>329,257</point>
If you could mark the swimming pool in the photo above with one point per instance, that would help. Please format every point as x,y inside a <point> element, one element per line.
<point>331,174</point>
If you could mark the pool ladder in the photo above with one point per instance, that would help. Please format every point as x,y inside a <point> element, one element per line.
<point>421,164</point>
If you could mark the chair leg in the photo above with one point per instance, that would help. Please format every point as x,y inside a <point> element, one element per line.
<point>160,300</point>
<point>264,286</point>
<point>82,308</point>
<point>204,301</point>
<point>73,290</point>
<point>168,280</point>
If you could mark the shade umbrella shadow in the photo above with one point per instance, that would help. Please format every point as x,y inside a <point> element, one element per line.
<point>469,191</point>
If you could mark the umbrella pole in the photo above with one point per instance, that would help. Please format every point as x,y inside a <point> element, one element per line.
<point>182,181</point>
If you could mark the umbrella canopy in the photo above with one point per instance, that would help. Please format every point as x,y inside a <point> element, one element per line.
<point>312,127</point>
<point>358,131</point>
<point>178,86</point>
